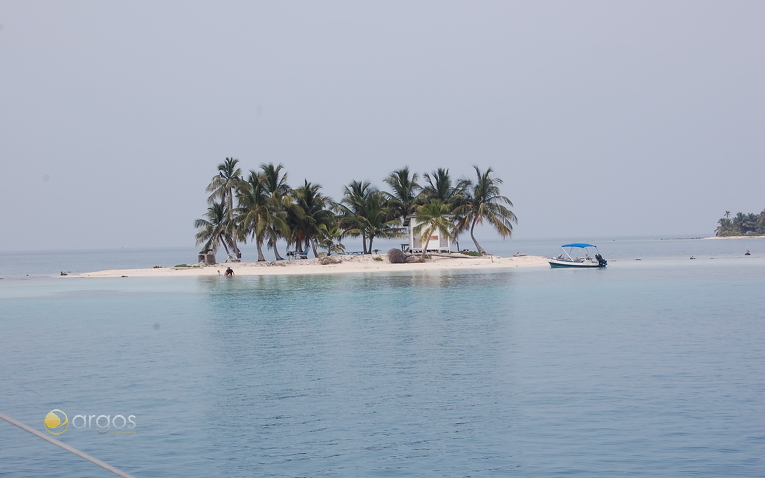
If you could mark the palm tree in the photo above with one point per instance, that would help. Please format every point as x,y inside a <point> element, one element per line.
<point>215,229</point>
<point>724,228</point>
<point>225,182</point>
<point>483,202</point>
<point>275,184</point>
<point>432,217</point>
<point>403,199</point>
<point>379,221</point>
<point>439,186</point>
<point>222,188</point>
<point>275,180</point>
<point>256,213</point>
<point>363,212</point>
<point>307,214</point>
<point>352,210</point>
<point>329,238</point>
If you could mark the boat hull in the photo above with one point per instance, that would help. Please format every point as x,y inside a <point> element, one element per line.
<point>555,263</point>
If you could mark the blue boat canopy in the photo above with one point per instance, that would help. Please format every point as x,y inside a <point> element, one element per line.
<point>578,244</point>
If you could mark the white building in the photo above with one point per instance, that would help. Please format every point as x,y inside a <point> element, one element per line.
<point>436,243</point>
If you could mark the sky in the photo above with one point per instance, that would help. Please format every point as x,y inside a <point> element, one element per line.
<point>602,118</point>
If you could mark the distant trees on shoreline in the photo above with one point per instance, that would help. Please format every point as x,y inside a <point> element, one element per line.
<point>260,207</point>
<point>741,225</point>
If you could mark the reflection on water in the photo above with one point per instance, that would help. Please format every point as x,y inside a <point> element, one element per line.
<point>359,372</point>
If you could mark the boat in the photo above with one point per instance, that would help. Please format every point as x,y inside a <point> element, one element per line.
<point>578,255</point>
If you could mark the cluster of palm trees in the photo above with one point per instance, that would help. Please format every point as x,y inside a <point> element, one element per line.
<point>262,208</point>
<point>741,225</point>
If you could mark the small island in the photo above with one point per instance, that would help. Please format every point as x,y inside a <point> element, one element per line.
<point>263,210</point>
<point>741,225</point>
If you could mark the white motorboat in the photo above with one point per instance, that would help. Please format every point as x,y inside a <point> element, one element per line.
<point>578,255</point>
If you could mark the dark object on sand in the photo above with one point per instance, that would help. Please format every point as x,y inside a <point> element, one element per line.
<point>207,257</point>
<point>329,260</point>
<point>396,256</point>
<point>747,253</point>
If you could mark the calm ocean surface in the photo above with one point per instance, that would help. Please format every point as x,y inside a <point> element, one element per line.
<point>653,367</point>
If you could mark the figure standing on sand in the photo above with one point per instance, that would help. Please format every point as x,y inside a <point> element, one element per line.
<point>229,272</point>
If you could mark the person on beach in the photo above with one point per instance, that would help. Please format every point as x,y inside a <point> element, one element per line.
<point>218,273</point>
<point>229,272</point>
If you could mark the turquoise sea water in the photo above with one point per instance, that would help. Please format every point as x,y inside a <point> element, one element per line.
<point>653,367</point>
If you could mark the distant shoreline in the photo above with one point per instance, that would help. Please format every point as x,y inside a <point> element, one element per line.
<point>349,264</point>
<point>735,237</point>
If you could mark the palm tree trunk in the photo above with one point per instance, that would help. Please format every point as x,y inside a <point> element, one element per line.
<point>369,251</point>
<point>477,246</point>
<point>230,203</point>
<point>259,245</point>
<point>276,252</point>
<point>425,240</point>
<point>364,242</point>
<point>313,248</point>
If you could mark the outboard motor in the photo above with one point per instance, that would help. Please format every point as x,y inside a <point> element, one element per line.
<point>601,262</point>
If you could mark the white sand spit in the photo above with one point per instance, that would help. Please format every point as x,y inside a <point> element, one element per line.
<point>349,264</point>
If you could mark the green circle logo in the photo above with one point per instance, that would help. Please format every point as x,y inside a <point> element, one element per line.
<point>56,422</point>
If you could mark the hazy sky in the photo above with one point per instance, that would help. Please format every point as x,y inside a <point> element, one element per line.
<point>602,118</point>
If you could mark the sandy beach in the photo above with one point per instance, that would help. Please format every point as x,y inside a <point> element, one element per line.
<point>347,264</point>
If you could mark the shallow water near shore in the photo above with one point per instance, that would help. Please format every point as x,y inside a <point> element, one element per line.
<point>653,367</point>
